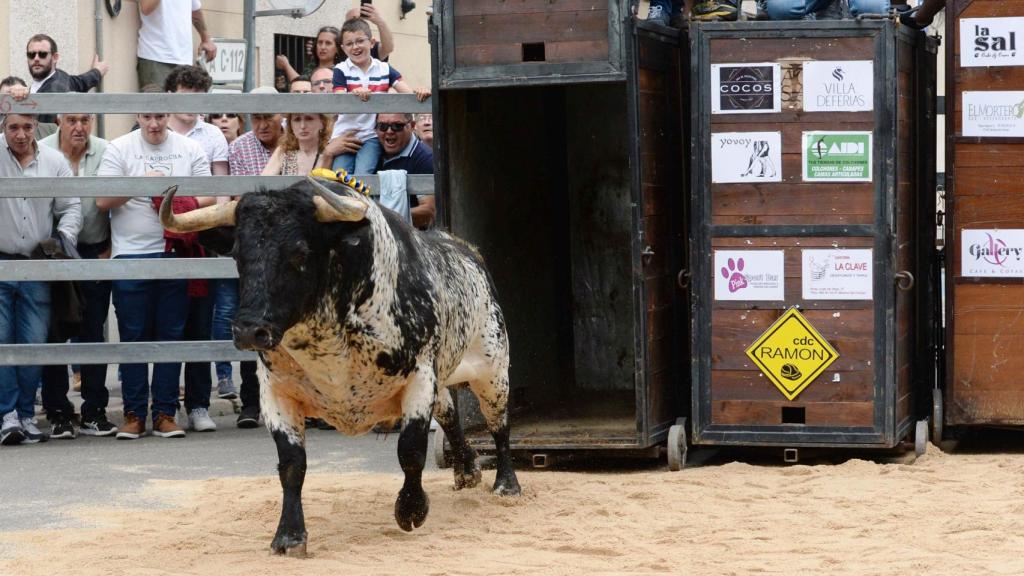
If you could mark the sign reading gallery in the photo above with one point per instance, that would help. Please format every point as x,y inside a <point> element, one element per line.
<point>992,253</point>
<point>746,88</point>
<point>839,86</point>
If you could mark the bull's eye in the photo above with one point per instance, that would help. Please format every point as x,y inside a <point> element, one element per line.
<point>299,260</point>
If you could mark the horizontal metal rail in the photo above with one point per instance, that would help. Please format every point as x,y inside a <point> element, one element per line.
<point>418,184</point>
<point>121,353</point>
<point>163,103</point>
<point>119,269</point>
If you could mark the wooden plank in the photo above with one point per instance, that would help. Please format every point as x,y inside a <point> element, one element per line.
<point>576,51</point>
<point>768,413</point>
<point>792,219</point>
<point>988,309</point>
<point>830,203</point>
<point>485,7</point>
<point>740,50</point>
<point>988,155</point>
<point>506,28</point>
<point>856,386</point>
<point>990,9</point>
<point>487,54</point>
<point>791,117</point>
<point>805,242</point>
<point>971,408</point>
<point>989,180</point>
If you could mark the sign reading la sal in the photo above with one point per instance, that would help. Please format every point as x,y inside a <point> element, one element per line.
<point>792,354</point>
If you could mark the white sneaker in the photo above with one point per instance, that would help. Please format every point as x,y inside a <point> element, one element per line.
<point>33,434</point>
<point>200,421</point>
<point>11,433</point>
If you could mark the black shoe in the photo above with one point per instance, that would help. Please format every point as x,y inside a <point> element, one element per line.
<point>322,424</point>
<point>715,10</point>
<point>908,18</point>
<point>62,428</point>
<point>249,417</point>
<point>98,426</point>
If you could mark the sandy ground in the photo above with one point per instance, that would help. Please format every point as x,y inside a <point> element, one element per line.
<point>943,514</point>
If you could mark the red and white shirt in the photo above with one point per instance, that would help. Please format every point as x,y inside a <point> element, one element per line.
<point>378,78</point>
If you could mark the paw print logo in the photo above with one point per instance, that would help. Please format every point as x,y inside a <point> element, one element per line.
<point>734,273</point>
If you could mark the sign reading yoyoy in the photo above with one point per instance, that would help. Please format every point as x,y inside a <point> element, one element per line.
<point>746,157</point>
<point>228,67</point>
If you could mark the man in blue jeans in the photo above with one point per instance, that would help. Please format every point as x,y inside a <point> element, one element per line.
<point>149,310</point>
<point>25,223</point>
<point>669,12</point>
<point>800,9</point>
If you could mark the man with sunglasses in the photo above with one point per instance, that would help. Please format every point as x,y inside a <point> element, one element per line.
<point>402,150</point>
<point>41,53</point>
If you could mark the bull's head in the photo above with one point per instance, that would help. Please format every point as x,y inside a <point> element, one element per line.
<point>282,242</point>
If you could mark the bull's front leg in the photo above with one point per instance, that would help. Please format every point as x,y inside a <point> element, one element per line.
<point>417,406</point>
<point>286,422</point>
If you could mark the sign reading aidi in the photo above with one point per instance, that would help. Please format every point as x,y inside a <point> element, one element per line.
<point>750,275</point>
<point>746,157</point>
<point>993,114</point>
<point>992,253</point>
<point>837,274</point>
<point>991,42</point>
<point>839,86</point>
<point>837,156</point>
<point>791,353</point>
<point>746,88</point>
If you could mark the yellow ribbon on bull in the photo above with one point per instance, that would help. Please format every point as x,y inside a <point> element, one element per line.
<point>344,177</point>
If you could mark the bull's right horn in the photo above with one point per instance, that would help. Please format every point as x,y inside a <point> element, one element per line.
<point>331,207</point>
<point>196,220</point>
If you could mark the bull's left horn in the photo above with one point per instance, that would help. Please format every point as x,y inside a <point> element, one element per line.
<point>196,220</point>
<point>331,207</point>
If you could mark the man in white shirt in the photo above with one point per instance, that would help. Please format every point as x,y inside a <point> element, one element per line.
<point>165,39</point>
<point>25,223</point>
<point>199,322</point>
<point>149,310</point>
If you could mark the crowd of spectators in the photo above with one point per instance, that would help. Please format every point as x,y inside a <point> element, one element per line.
<point>670,12</point>
<point>221,143</point>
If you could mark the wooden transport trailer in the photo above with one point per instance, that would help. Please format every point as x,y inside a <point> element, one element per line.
<point>985,185</point>
<point>812,190</point>
<point>572,187</point>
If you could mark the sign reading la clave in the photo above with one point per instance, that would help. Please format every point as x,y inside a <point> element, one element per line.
<point>791,353</point>
<point>837,156</point>
<point>995,114</point>
<point>839,86</point>
<point>746,88</point>
<point>991,42</point>
<point>837,274</point>
<point>992,253</point>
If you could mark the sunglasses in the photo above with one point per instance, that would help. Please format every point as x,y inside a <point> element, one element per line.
<point>395,127</point>
<point>219,116</point>
<point>42,54</point>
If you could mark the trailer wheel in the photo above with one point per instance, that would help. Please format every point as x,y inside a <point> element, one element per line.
<point>921,438</point>
<point>677,445</point>
<point>937,416</point>
<point>439,456</point>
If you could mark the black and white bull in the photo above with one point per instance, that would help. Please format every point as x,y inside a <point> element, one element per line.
<point>358,319</point>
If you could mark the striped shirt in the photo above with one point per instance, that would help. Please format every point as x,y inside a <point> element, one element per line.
<point>378,78</point>
<point>248,155</point>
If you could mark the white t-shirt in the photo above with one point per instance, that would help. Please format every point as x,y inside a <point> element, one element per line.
<point>135,226</point>
<point>211,139</point>
<point>166,34</point>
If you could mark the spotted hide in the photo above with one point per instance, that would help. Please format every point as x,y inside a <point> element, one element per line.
<point>358,318</point>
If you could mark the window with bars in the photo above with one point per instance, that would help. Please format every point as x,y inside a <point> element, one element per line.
<point>300,51</point>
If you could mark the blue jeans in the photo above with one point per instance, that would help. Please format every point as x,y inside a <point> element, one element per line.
<point>224,292</point>
<point>362,162</point>
<point>24,319</point>
<point>797,9</point>
<point>198,383</point>
<point>150,311</point>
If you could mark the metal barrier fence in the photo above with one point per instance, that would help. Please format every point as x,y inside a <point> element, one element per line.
<point>63,270</point>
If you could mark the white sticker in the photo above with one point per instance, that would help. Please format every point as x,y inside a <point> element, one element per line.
<point>992,253</point>
<point>837,156</point>
<point>746,157</point>
<point>839,86</point>
<point>991,42</point>
<point>746,88</point>
<point>837,275</point>
<point>750,275</point>
<point>993,114</point>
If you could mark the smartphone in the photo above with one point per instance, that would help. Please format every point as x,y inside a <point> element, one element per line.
<point>361,2</point>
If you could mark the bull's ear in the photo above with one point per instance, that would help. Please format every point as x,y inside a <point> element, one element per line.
<point>219,240</point>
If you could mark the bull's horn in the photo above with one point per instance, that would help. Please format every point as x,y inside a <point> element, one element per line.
<point>196,220</point>
<point>331,207</point>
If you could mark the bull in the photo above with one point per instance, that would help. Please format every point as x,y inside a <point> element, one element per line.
<point>358,318</point>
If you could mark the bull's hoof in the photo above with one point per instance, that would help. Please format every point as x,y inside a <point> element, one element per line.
<point>293,546</point>
<point>411,508</point>
<point>468,479</point>
<point>507,486</point>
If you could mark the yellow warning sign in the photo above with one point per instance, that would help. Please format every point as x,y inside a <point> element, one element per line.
<point>791,353</point>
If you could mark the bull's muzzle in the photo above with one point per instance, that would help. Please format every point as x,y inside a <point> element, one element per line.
<point>255,336</point>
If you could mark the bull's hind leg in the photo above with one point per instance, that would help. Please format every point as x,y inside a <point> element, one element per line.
<point>446,412</point>
<point>286,423</point>
<point>493,396</point>
<point>417,405</point>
